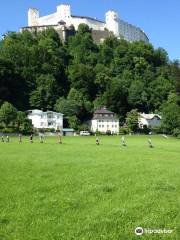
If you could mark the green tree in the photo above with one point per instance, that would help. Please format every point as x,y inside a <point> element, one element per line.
<point>12,85</point>
<point>116,96</point>
<point>68,107</point>
<point>81,77</point>
<point>45,94</point>
<point>8,114</point>
<point>137,96</point>
<point>39,53</point>
<point>175,75</point>
<point>132,120</point>
<point>81,47</point>
<point>170,114</point>
<point>74,122</point>
<point>23,124</point>
<point>84,105</point>
<point>26,126</point>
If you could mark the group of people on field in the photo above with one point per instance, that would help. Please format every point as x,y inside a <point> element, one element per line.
<point>123,141</point>
<point>31,137</point>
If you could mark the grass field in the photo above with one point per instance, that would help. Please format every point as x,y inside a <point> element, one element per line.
<point>80,191</point>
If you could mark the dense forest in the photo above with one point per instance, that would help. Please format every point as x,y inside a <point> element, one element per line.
<point>37,70</point>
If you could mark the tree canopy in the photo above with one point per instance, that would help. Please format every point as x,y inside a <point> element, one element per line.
<point>38,71</point>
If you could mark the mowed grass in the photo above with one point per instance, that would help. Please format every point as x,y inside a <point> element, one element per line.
<point>80,191</point>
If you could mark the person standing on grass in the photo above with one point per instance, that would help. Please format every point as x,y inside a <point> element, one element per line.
<point>7,138</point>
<point>41,138</point>
<point>59,138</point>
<point>123,143</point>
<point>150,142</point>
<point>97,141</point>
<point>31,138</point>
<point>2,138</point>
<point>20,138</point>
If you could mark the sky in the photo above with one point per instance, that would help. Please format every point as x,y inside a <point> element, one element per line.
<point>160,19</point>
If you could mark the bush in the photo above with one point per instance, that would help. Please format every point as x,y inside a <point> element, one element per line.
<point>26,127</point>
<point>176,132</point>
<point>97,133</point>
<point>43,130</point>
<point>156,129</point>
<point>144,130</point>
<point>108,132</point>
<point>8,114</point>
<point>124,130</point>
<point>8,130</point>
<point>84,127</point>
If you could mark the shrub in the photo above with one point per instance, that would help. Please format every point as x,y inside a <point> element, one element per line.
<point>108,132</point>
<point>156,129</point>
<point>176,132</point>
<point>84,127</point>
<point>9,130</point>
<point>124,130</point>
<point>145,129</point>
<point>97,132</point>
<point>43,130</point>
<point>178,136</point>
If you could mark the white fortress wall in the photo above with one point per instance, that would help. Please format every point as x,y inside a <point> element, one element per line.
<point>130,32</point>
<point>94,24</point>
<point>64,12</point>
<point>120,28</point>
<point>112,22</point>
<point>33,16</point>
<point>48,20</point>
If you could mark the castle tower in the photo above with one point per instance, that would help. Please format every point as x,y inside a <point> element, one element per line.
<point>64,13</point>
<point>33,15</point>
<point>112,23</point>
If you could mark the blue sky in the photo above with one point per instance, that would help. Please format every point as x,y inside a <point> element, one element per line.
<point>160,19</point>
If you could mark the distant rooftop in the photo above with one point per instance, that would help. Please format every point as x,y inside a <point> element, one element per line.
<point>149,116</point>
<point>103,110</point>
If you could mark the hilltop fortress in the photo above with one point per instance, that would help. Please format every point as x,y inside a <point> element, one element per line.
<point>62,21</point>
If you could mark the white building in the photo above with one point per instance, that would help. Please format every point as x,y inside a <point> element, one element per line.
<point>103,121</point>
<point>63,16</point>
<point>149,120</point>
<point>47,119</point>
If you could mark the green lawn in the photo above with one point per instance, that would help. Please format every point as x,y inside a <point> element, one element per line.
<point>80,191</point>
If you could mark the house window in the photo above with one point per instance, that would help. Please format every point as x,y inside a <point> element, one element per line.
<point>112,126</point>
<point>102,126</point>
<point>99,126</point>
